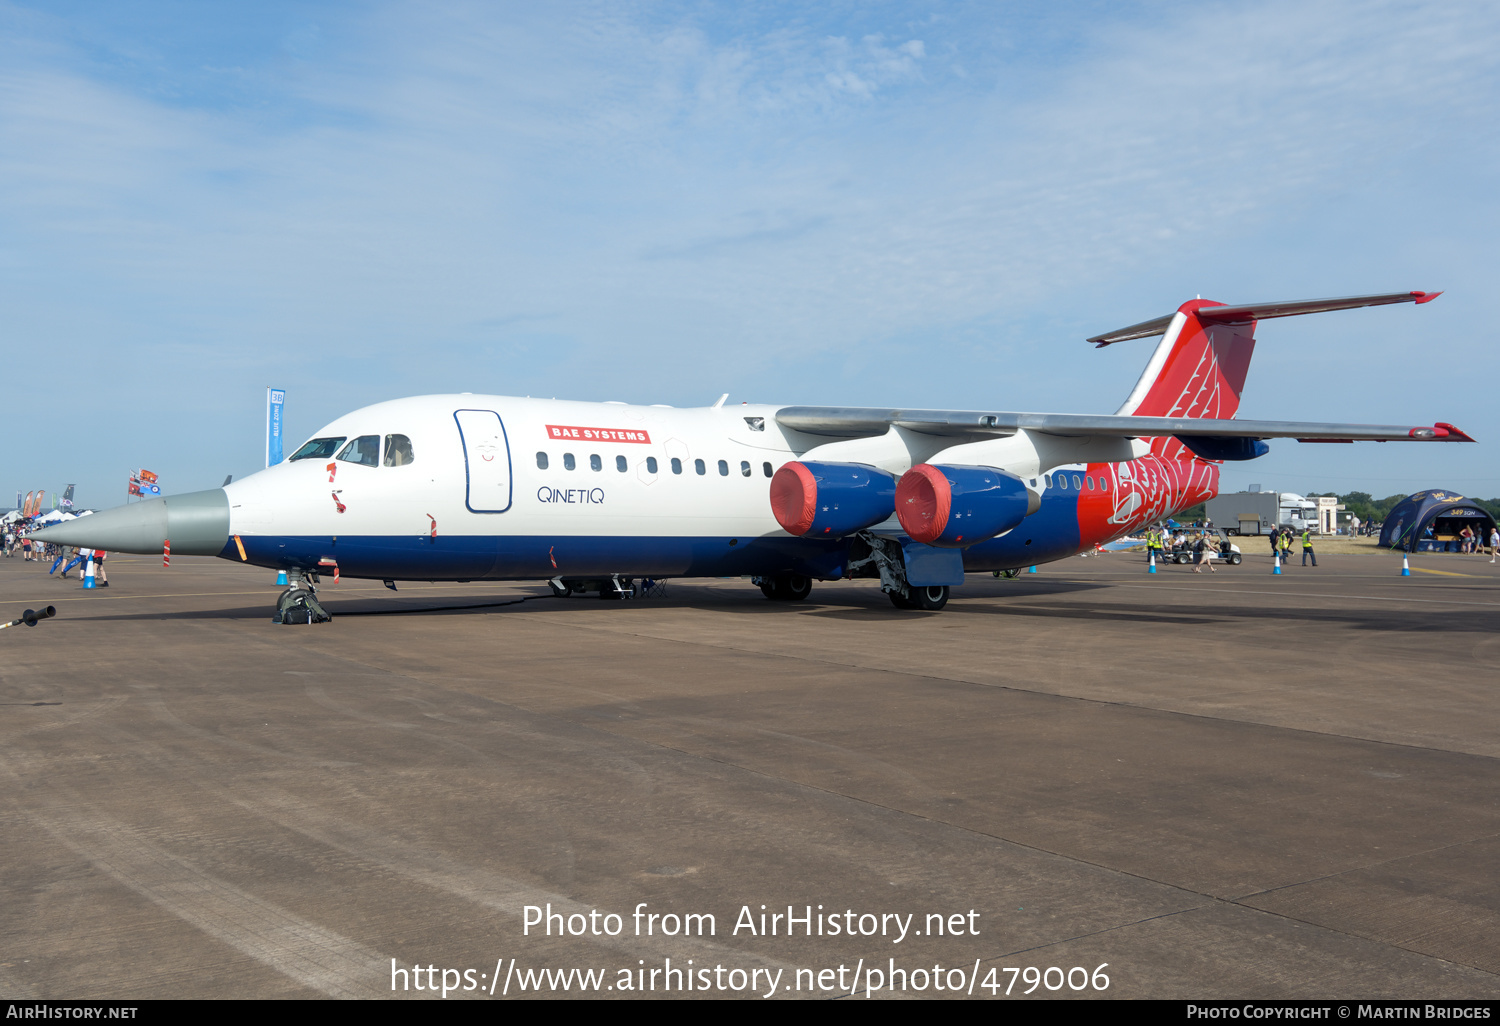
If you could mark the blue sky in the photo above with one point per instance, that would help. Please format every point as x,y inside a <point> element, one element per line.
<point>867,204</point>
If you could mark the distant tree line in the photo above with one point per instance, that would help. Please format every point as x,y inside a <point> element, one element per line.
<point>1368,508</point>
<point>1361,504</point>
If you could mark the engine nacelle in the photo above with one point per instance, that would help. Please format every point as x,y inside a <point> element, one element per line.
<point>830,500</point>
<point>953,507</point>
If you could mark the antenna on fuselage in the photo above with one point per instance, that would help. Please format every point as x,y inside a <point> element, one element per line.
<point>720,402</point>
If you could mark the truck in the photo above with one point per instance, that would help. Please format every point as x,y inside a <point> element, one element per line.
<point>1263,512</point>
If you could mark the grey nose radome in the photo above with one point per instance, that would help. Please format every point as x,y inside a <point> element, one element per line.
<point>197,524</point>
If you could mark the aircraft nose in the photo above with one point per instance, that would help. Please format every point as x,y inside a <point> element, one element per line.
<point>196,523</point>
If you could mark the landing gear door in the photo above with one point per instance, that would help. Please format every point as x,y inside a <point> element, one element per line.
<point>486,460</point>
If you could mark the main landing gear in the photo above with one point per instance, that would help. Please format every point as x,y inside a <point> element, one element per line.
<point>930,598</point>
<point>299,603</point>
<point>882,557</point>
<point>784,587</point>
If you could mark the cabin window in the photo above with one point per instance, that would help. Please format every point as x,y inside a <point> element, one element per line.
<point>744,468</point>
<point>723,468</point>
<point>650,464</point>
<point>767,468</point>
<point>1077,483</point>
<point>595,463</point>
<point>1062,481</point>
<point>1103,484</point>
<point>398,451</point>
<point>699,467</point>
<point>364,450</point>
<point>676,465</point>
<point>1089,481</point>
<point>620,464</point>
<point>569,463</point>
<point>318,449</point>
<point>1047,478</point>
<point>541,461</point>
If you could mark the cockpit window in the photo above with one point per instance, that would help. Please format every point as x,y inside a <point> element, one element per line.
<point>318,449</point>
<point>364,450</point>
<point>397,451</point>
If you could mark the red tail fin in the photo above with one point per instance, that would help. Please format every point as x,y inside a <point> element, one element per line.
<point>1198,369</point>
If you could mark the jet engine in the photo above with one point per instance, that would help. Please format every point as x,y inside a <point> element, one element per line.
<point>830,500</point>
<point>952,507</point>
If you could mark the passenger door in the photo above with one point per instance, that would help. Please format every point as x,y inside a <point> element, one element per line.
<point>486,460</point>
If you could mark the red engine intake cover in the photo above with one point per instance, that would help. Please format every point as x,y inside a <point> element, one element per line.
<point>923,501</point>
<point>794,498</point>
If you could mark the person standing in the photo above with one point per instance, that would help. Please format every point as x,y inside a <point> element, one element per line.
<point>1494,541</point>
<point>1307,548</point>
<point>1284,545</point>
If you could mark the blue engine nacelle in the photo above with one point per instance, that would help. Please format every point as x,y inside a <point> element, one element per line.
<point>830,500</point>
<point>1210,447</point>
<point>953,507</point>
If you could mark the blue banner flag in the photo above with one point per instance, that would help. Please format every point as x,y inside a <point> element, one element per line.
<point>275,403</point>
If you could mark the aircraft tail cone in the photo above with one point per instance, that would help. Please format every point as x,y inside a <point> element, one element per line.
<point>197,523</point>
<point>1405,565</point>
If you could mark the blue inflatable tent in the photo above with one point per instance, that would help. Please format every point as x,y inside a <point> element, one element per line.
<point>1432,521</point>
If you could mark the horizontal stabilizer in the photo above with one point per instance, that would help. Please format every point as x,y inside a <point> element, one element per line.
<point>1220,314</point>
<point>847,422</point>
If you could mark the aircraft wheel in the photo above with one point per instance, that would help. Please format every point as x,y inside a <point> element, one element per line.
<point>931,598</point>
<point>796,587</point>
<point>786,588</point>
<point>900,601</point>
<point>560,590</point>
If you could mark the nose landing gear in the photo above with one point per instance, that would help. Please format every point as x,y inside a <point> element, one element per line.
<point>299,603</point>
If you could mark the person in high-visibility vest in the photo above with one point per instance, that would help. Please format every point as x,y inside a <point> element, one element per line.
<point>1284,545</point>
<point>1307,550</point>
<point>1153,542</point>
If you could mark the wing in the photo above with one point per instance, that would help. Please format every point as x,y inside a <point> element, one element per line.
<point>854,422</point>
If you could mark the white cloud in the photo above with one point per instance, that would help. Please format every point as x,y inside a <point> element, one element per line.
<point>471,192</point>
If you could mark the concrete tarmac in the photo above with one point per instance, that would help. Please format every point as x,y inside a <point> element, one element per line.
<point>1223,786</point>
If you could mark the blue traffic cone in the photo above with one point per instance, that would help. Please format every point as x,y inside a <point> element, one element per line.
<point>1276,569</point>
<point>88,573</point>
<point>1150,561</point>
<point>1405,566</point>
<point>281,578</point>
<point>1032,570</point>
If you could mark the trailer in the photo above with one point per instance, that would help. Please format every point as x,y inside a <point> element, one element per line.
<point>1245,513</point>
